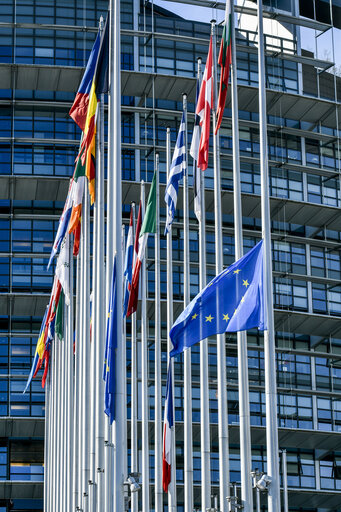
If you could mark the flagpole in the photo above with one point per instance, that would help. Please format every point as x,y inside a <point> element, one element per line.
<point>51,433</point>
<point>158,385</point>
<point>243,375</point>
<point>47,437</point>
<point>204,382</point>
<point>134,398</point>
<point>76,395</point>
<point>70,387</point>
<point>93,377</point>
<point>124,367</point>
<point>100,317</point>
<point>64,409</point>
<point>274,504</point>
<point>108,445</point>
<point>58,436</point>
<point>86,352</point>
<point>224,466</point>
<point>80,343</point>
<point>144,378</point>
<point>54,439</point>
<point>115,94</point>
<point>170,361</point>
<point>188,438</point>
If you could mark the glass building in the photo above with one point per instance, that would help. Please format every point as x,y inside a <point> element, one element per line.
<point>44,46</point>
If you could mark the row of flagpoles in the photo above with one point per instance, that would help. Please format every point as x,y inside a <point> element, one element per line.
<point>86,462</point>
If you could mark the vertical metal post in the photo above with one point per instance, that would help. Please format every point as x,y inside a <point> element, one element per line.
<point>285,481</point>
<point>269,335</point>
<point>70,387</point>
<point>158,386</point>
<point>243,376</point>
<point>76,396</point>
<point>172,486</point>
<point>224,470</point>
<point>188,437</point>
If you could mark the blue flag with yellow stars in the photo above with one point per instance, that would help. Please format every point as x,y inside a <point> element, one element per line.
<point>233,301</point>
<point>110,352</point>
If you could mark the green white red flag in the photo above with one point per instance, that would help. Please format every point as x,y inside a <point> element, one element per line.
<point>224,60</point>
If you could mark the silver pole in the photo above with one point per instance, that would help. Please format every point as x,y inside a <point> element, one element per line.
<point>285,481</point>
<point>134,398</point>
<point>115,139</point>
<point>243,376</point>
<point>80,342</point>
<point>51,433</point>
<point>158,386</point>
<point>108,451</point>
<point>144,378</point>
<point>69,390</point>
<point>86,353</point>
<point>188,437</point>
<point>99,314</point>
<point>124,367</point>
<point>269,335</point>
<point>47,437</point>
<point>172,485</point>
<point>65,407</point>
<point>224,466</point>
<point>204,383</point>
<point>93,377</point>
<point>58,427</point>
<point>54,430</point>
<point>76,395</point>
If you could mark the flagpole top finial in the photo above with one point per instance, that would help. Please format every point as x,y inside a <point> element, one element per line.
<point>199,59</point>
<point>213,22</point>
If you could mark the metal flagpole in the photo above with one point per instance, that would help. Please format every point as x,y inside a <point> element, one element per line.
<point>70,386</point>
<point>158,385</point>
<point>108,451</point>
<point>80,342</point>
<point>134,398</point>
<point>65,409</point>
<point>285,481</point>
<point>188,437</point>
<point>274,504</point>
<point>86,352</point>
<point>115,139</point>
<point>58,427</point>
<point>76,396</point>
<point>53,431</point>
<point>144,377</point>
<point>50,498</point>
<point>98,313</point>
<point>243,376</point>
<point>224,465</point>
<point>204,384</point>
<point>172,485</point>
<point>62,415</point>
<point>93,377</point>
<point>124,367</point>
<point>47,437</point>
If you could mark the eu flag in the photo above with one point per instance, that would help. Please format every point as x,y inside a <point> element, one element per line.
<point>233,301</point>
<point>110,352</point>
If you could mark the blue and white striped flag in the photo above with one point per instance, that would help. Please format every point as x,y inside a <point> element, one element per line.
<point>177,171</point>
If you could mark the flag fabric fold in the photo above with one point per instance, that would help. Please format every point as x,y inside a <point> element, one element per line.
<point>110,351</point>
<point>233,301</point>
<point>167,433</point>
<point>204,106</point>
<point>194,151</point>
<point>63,268</point>
<point>224,60</point>
<point>176,172</point>
<point>36,355</point>
<point>62,226</point>
<point>134,291</point>
<point>128,263</point>
<point>148,226</point>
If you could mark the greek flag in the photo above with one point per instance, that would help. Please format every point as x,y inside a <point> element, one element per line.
<point>177,171</point>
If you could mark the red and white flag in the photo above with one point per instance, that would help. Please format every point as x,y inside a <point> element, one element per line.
<point>203,110</point>
<point>134,291</point>
<point>167,433</point>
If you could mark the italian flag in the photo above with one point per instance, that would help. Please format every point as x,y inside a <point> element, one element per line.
<point>148,226</point>
<point>224,61</point>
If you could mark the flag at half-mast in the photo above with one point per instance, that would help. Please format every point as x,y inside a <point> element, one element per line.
<point>224,60</point>
<point>99,85</point>
<point>167,433</point>
<point>134,293</point>
<point>148,226</point>
<point>128,263</point>
<point>233,301</point>
<point>62,226</point>
<point>204,106</point>
<point>110,351</point>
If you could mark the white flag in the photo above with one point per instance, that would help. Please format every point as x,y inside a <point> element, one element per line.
<point>63,268</point>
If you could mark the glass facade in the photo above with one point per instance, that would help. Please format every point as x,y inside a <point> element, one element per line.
<point>39,140</point>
